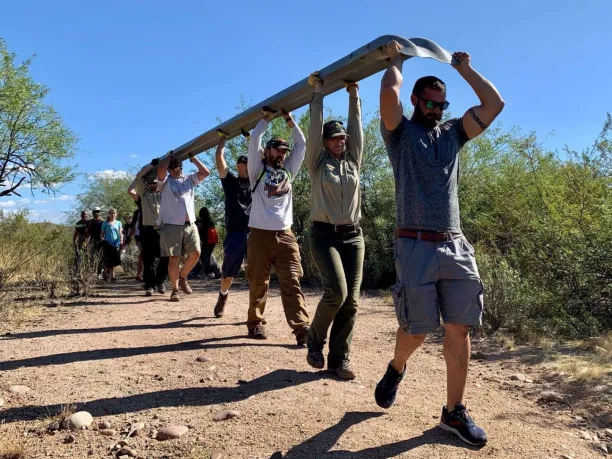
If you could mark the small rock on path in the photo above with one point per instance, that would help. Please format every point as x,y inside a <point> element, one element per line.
<point>227,414</point>
<point>19,390</point>
<point>171,432</point>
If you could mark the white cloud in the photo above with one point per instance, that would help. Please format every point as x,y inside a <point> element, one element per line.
<point>24,201</point>
<point>64,197</point>
<point>10,203</point>
<point>109,174</point>
<point>133,156</point>
<point>42,201</point>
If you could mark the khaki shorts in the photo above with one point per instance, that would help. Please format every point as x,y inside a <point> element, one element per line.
<point>178,240</point>
<point>436,279</point>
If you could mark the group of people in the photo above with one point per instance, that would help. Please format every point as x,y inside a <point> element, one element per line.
<point>436,268</point>
<point>101,240</point>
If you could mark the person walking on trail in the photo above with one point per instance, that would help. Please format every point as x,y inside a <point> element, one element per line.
<point>94,233</point>
<point>112,236</point>
<point>271,241</point>
<point>237,189</point>
<point>207,264</point>
<point>79,238</point>
<point>154,266</point>
<point>436,269</point>
<point>333,160</point>
<point>178,233</point>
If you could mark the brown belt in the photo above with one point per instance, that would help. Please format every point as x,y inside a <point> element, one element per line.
<point>429,236</point>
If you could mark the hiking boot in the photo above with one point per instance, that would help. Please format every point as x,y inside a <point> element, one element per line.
<point>174,296</point>
<point>343,371</point>
<point>161,288</point>
<point>301,336</point>
<point>258,332</point>
<point>149,292</point>
<point>386,389</point>
<point>220,306</point>
<point>184,286</point>
<point>315,356</point>
<point>461,424</point>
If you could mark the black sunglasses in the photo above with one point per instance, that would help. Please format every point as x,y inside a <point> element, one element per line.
<point>432,104</point>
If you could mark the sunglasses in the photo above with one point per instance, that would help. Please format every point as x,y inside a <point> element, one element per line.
<point>174,168</point>
<point>432,104</point>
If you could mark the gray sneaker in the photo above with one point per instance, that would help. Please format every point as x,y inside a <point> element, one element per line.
<point>343,371</point>
<point>174,296</point>
<point>149,292</point>
<point>161,288</point>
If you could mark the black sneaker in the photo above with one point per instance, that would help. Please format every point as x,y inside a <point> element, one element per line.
<point>301,336</point>
<point>315,356</point>
<point>220,306</point>
<point>386,389</point>
<point>461,424</point>
<point>161,288</point>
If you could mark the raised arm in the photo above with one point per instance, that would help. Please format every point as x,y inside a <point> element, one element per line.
<point>255,165</point>
<point>354,128</point>
<point>314,144</point>
<point>391,110</point>
<point>203,171</point>
<point>220,159</point>
<point>162,168</point>
<point>296,158</point>
<point>479,117</point>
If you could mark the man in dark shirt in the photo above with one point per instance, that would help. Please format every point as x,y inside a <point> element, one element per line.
<point>437,273</point>
<point>79,239</point>
<point>94,233</point>
<point>237,191</point>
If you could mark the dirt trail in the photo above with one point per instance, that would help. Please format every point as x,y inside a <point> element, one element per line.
<point>126,358</point>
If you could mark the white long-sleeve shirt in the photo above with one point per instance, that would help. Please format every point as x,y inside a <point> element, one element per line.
<point>272,207</point>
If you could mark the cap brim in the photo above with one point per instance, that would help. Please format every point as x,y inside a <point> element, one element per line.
<point>338,134</point>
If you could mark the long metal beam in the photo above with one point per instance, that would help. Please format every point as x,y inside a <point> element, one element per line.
<point>360,64</point>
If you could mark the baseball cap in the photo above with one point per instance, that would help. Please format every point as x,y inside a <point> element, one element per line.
<point>174,163</point>
<point>151,178</point>
<point>333,129</point>
<point>242,159</point>
<point>96,209</point>
<point>278,143</point>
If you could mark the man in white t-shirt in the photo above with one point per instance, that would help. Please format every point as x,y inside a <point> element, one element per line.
<point>178,233</point>
<point>271,241</point>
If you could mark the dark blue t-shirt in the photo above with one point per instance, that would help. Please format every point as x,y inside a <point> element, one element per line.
<point>237,202</point>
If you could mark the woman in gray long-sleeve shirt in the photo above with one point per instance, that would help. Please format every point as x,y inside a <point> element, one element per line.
<point>333,159</point>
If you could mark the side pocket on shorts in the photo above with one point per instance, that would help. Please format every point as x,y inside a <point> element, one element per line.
<point>481,298</point>
<point>398,291</point>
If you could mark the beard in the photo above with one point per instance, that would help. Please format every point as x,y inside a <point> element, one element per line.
<point>276,163</point>
<point>429,121</point>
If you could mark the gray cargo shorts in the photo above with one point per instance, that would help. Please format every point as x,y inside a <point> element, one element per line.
<point>433,279</point>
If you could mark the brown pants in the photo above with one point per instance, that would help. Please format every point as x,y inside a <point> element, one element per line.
<point>267,248</point>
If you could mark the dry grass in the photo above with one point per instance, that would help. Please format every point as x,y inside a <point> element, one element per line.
<point>67,410</point>
<point>591,364</point>
<point>12,445</point>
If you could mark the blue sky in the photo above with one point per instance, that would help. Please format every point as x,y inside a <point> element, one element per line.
<point>134,79</point>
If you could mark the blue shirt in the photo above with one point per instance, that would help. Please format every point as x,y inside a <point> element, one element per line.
<point>112,232</point>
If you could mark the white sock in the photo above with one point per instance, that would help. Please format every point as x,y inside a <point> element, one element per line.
<point>224,293</point>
